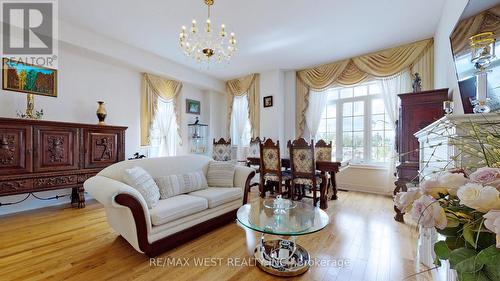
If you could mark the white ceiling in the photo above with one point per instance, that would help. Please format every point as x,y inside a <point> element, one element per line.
<point>272,34</point>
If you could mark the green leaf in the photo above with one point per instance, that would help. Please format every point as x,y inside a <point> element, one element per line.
<point>470,265</point>
<point>455,242</point>
<point>442,250</point>
<point>477,276</point>
<point>450,231</point>
<point>460,254</point>
<point>469,235</point>
<point>490,257</point>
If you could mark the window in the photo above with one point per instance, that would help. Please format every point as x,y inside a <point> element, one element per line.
<point>163,134</point>
<point>240,122</point>
<point>356,122</point>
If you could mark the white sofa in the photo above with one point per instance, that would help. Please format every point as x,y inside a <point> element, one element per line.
<point>173,220</point>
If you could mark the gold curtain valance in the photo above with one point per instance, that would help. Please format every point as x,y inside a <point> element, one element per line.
<point>414,57</point>
<point>250,86</point>
<point>154,87</point>
<point>488,20</point>
<point>377,65</point>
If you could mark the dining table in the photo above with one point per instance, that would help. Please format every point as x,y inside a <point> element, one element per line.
<point>325,167</point>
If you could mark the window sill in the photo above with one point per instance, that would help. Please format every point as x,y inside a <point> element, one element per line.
<point>368,166</point>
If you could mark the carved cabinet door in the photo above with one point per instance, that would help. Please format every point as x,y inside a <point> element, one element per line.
<point>56,149</point>
<point>15,149</point>
<point>103,147</point>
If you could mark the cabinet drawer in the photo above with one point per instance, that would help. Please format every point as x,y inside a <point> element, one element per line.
<point>49,182</point>
<point>15,186</point>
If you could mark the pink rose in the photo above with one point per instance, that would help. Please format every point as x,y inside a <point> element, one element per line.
<point>427,212</point>
<point>487,176</point>
<point>492,223</point>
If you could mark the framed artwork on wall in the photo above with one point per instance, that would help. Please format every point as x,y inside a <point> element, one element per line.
<point>193,107</point>
<point>27,78</point>
<point>268,101</point>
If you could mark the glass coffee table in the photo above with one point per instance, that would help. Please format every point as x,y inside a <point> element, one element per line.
<point>282,257</point>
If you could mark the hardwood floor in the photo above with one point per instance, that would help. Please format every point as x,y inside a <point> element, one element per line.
<point>62,243</point>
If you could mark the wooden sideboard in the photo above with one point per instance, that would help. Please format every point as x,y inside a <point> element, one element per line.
<point>417,110</point>
<point>40,155</point>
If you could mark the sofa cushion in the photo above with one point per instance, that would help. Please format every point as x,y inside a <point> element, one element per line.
<point>217,196</point>
<point>220,174</point>
<point>173,185</point>
<point>176,207</point>
<point>140,180</point>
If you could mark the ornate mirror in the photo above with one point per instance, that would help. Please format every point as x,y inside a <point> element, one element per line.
<point>475,43</point>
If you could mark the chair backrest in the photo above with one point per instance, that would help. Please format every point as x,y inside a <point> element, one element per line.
<point>222,150</point>
<point>302,162</point>
<point>323,151</point>
<point>270,160</point>
<point>254,149</point>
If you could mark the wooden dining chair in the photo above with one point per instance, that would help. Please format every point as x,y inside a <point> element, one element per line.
<point>254,152</point>
<point>222,150</point>
<point>323,152</point>
<point>303,168</point>
<point>271,175</point>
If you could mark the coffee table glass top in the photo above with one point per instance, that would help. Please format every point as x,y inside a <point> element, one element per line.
<point>301,219</point>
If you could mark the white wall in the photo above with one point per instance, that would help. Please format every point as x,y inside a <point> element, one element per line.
<point>444,67</point>
<point>272,119</point>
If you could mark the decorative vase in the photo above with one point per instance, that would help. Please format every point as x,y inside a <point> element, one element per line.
<point>101,112</point>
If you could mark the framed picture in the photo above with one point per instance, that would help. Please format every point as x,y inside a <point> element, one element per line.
<point>27,78</point>
<point>193,106</point>
<point>268,101</point>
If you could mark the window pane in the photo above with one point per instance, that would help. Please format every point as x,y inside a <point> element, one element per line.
<point>333,95</point>
<point>346,93</point>
<point>358,139</point>
<point>377,106</point>
<point>377,138</point>
<point>378,122</point>
<point>359,108</point>
<point>360,91</point>
<point>322,126</point>
<point>331,125</point>
<point>347,153</point>
<point>331,110</point>
<point>358,123</point>
<point>374,89</point>
<point>389,138</point>
<point>347,124</point>
<point>358,153</point>
<point>347,139</point>
<point>347,109</point>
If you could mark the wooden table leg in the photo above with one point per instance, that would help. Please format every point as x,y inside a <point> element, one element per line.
<point>81,197</point>
<point>323,202</point>
<point>334,185</point>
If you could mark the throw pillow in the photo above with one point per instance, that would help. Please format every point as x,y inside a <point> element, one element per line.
<point>140,180</point>
<point>179,184</point>
<point>221,174</point>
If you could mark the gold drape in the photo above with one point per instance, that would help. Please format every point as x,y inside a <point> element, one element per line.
<point>250,86</point>
<point>417,57</point>
<point>488,20</point>
<point>154,87</point>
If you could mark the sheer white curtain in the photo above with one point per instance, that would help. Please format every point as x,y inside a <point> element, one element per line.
<point>391,87</point>
<point>317,104</point>
<point>164,136</point>
<point>240,125</point>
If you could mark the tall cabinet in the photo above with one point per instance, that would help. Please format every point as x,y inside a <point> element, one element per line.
<point>43,155</point>
<point>417,111</point>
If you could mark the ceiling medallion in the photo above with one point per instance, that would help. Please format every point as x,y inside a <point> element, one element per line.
<point>204,45</point>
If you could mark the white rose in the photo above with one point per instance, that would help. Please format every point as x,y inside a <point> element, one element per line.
<point>427,212</point>
<point>481,198</point>
<point>452,181</point>
<point>403,200</point>
<point>492,222</point>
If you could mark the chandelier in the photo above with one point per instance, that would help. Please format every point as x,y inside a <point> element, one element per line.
<point>205,45</point>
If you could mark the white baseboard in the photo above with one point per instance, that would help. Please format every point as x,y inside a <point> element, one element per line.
<point>361,188</point>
